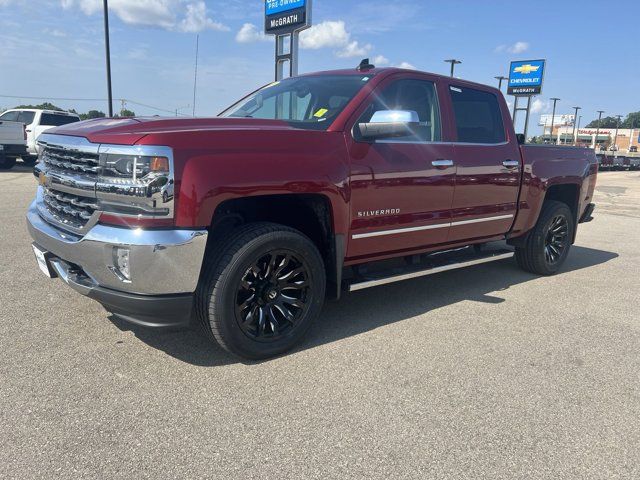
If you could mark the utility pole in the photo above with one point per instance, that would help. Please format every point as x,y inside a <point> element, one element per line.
<point>108,55</point>
<point>500,79</point>
<point>553,117</point>
<point>575,121</point>
<point>600,112</point>
<point>453,63</point>
<point>578,134</point>
<point>195,76</point>
<point>615,139</point>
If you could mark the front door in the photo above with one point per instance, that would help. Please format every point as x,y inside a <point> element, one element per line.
<point>401,188</point>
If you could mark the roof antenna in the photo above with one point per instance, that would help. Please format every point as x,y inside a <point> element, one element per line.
<point>365,65</point>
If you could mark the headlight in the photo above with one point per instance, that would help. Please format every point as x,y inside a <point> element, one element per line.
<point>136,181</point>
<point>132,167</point>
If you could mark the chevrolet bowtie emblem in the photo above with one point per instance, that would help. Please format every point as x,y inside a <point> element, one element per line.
<point>42,178</point>
<point>527,69</point>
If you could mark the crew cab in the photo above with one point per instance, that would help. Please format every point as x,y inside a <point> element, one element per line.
<point>37,121</point>
<point>309,187</point>
<point>12,143</point>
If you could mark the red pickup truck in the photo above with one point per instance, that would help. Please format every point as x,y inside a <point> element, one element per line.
<point>308,187</point>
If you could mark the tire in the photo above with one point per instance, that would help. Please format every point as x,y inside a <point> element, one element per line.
<point>30,161</point>
<point>261,290</point>
<point>547,246</point>
<point>7,163</point>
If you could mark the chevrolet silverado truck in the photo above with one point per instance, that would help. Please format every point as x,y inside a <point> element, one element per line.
<point>36,122</point>
<point>328,182</point>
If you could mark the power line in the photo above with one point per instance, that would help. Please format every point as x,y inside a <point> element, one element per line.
<point>21,97</point>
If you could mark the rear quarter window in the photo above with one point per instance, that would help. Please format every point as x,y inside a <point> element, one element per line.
<point>478,116</point>
<point>53,120</point>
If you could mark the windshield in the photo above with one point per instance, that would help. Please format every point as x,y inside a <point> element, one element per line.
<point>305,102</point>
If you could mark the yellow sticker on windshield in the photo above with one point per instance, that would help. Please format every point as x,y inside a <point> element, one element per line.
<point>321,113</point>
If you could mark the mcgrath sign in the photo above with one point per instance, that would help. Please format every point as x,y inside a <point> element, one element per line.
<point>286,16</point>
<point>526,77</point>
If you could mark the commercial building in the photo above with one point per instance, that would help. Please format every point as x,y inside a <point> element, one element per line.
<point>627,139</point>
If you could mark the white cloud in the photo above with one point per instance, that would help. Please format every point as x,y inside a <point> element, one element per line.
<point>197,20</point>
<point>333,34</point>
<point>180,15</point>
<point>326,34</point>
<point>249,33</point>
<point>354,49</point>
<point>540,106</point>
<point>516,48</point>
<point>407,65</point>
<point>54,32</point>
<point>380,60</point>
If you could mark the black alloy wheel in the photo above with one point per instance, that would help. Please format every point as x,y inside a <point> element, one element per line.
<point>261,289</point>
<point>557,239</point>
<point>546,247</point>
<point>272,296</point>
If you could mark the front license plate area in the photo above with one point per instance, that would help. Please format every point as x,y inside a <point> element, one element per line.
<point>42,258</point>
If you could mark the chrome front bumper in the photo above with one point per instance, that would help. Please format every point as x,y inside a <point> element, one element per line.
<point>162,262</point>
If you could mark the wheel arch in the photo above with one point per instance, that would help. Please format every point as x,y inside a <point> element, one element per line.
<point>309,213</point>
<point>569,194</point>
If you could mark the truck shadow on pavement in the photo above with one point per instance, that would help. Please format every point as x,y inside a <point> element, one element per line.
<point>367,310</point>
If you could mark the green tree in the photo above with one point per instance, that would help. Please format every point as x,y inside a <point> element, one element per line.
<point>43,106</point>
<point>92,114</point>
<point>632,120</point>
<point>127,113</point>
<point>607,122</point>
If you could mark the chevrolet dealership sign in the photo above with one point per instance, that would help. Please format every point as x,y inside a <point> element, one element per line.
<point>526,77</point>
<point>286,16</point>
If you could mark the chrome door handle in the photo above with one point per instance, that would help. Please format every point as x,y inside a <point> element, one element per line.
<point>442,163</point>
<point>511,163</point>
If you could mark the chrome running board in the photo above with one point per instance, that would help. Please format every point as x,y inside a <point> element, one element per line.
<point>435,263</point>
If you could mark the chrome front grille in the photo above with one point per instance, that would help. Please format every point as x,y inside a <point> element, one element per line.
<point>68,160</point>
<point>72,211</point>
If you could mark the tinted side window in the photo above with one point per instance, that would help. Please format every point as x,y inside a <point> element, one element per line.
<point>416,95</point>
<point>53,120</point>
<point>26,117</point>
<point>9,116</point>
<point>478,116</point>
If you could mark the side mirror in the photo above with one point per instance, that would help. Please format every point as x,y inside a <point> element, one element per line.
<point>389,124</point>
<point>521,138</point>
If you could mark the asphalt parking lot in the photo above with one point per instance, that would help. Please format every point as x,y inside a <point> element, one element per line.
<point>487,372</point>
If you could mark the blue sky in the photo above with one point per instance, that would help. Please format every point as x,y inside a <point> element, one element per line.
<point>54,48</point>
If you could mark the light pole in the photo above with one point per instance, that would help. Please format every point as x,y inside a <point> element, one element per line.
<point>500,79</point>
<point>453,63</point>
<point>553,117</point>
<point>108,54</point>
<point>600,112</point>
<point>615,139</point>
<point>575,121</point>
<point>578,134</point>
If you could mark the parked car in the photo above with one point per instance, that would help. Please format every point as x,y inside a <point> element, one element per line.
<point>37,122</point>
<point>613,148</point>
<point>633,149</point>
<point>309,187</point>
<point>12,143</point>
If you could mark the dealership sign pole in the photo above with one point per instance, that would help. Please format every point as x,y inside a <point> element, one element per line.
<point>286,19</point>
<point>525,80</point>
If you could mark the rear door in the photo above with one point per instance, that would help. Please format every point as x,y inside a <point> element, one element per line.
<point>400,196</point>
<point>488,165</point>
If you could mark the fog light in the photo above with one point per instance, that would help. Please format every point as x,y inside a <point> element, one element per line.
<point>121,263</point>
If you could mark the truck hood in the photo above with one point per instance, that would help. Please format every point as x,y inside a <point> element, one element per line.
<point>128,131</point>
